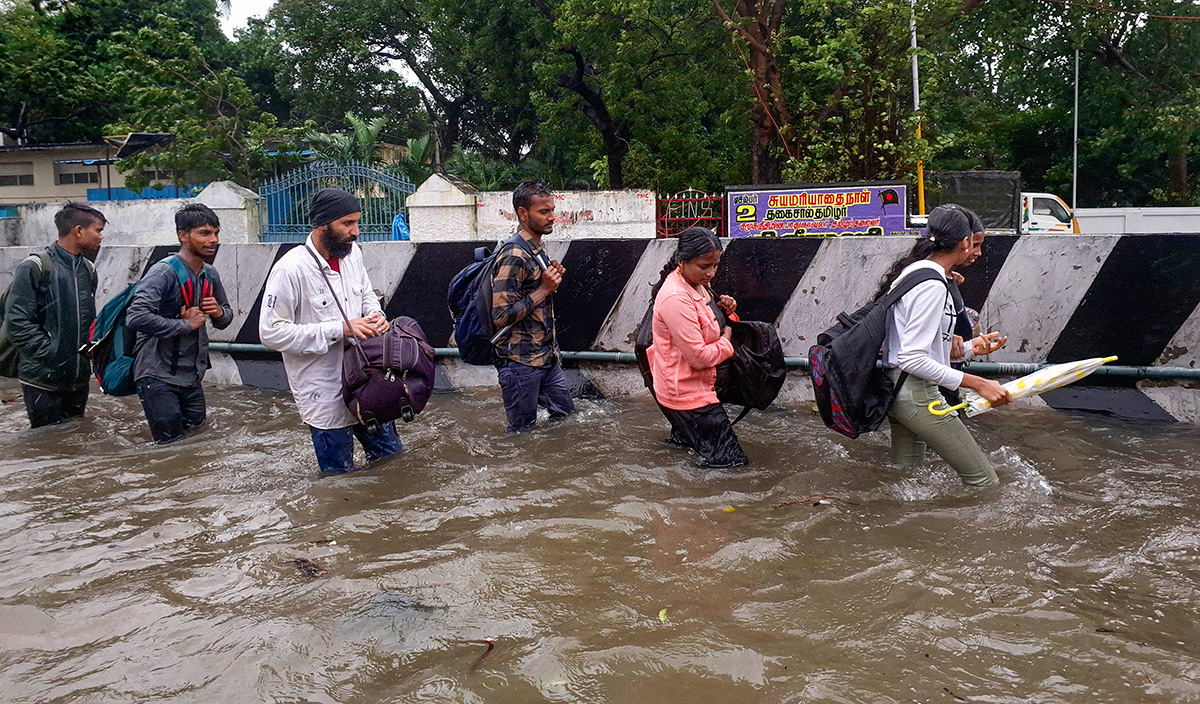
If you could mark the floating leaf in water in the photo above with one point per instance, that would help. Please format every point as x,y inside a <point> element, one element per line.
<point>729,509</point>
<point>662,616</point>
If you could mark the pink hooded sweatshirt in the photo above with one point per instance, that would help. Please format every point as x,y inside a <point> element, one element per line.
<point>687,346</point>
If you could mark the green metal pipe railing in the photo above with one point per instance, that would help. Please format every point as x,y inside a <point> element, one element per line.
<point>982,368</point>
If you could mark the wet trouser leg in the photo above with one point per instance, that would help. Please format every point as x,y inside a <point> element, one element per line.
<point>914,428</point>
<point>555,394</point>
<point>46,407</point>
<point>523,387</point>
<point>335,447</point>
<point>706,430</point>
<point>171,410</point>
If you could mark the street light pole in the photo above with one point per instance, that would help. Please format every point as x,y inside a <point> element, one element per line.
<point>916,88</point>
<point>1075,141</point>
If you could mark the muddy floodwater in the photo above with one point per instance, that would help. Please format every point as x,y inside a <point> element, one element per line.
<point>601,563</point>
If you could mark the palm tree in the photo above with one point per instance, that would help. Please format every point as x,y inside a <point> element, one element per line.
<point>361,143</point>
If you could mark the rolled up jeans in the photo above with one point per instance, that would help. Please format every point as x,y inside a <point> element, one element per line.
<point>914,429</point>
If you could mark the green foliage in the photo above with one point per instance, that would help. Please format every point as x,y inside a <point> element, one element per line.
<point>1003,97</point>
<point>42,87</point>
<point>417,162</point>
<point>481,172</point>
<point>57,69</point>
<point>171,87</point>
<point>846,68</point>
<point>360,144</point>
<point>466,59</point>
<point>660,94</point>
<point>670,89</point>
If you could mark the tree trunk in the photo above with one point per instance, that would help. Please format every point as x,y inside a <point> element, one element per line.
<point>770,117</point>
<point>764,165</point>
<point>615,134</point>
<point>1178,189</point>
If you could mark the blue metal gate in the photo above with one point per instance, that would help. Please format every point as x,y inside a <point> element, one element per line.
<point>283,210</point>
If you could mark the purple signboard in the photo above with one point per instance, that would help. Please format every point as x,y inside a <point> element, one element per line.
<point>876,208</point>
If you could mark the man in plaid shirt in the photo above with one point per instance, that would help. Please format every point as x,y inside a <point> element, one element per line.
<point>529,365</point>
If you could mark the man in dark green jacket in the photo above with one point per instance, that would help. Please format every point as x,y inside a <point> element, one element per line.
<point>49,313</point>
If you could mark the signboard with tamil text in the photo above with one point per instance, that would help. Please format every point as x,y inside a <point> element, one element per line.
<point>822,210</point>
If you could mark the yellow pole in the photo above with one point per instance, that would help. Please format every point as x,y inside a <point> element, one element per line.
<point>920,180</point>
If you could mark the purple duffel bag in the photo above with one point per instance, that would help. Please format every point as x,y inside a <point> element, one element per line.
<point>390,376</point>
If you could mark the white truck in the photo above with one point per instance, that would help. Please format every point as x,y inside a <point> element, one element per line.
<point>1046,212</point>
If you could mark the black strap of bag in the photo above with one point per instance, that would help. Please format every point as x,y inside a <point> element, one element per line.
<point>722,323</point>
<point>892,297</point>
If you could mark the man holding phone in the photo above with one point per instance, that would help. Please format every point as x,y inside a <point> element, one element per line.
<point>529,364</point>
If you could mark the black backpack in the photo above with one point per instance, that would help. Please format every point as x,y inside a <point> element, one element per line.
<point>853,393</point>
<point>751,378</point>
<point>470,301</point>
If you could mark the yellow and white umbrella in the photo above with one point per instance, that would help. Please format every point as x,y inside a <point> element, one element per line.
<point>1029,385</point>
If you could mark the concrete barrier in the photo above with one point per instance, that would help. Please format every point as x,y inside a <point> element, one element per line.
<point>1058,297</point>
<point>143,222</point>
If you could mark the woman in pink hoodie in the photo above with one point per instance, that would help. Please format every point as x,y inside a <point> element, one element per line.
<point>690,340</point>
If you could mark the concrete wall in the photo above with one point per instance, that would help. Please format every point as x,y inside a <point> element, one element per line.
<point>1058,297</point>
<point>142,222</point>
<point>442,210</point>
<point>445,209</point>
<point>1095,221</point>
<point>578,215</point>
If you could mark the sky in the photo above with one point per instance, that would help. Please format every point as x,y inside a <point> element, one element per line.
<point>241,10</point>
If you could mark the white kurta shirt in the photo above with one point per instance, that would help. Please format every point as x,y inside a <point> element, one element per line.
<point>300,319</point>
<point>921,330</point>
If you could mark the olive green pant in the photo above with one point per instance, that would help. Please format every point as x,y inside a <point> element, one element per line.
<point>914,429</point>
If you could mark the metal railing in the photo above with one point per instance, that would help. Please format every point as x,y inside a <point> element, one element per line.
<point>983,368</point>
<point>283,210</point>
<point>678,212</point>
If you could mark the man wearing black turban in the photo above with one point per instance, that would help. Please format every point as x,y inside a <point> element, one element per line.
<point>300,318</point>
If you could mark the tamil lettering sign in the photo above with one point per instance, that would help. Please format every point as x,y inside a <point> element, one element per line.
<point>821,210</point>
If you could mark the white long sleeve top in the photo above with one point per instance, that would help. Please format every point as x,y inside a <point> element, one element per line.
<point>300,319</point>
<point>921,329</point>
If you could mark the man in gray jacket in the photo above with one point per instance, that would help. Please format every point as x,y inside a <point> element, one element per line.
<point>50,308</point>
<point>170,307</point>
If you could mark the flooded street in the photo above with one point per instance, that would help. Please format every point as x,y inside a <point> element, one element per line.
<point>603,564</point>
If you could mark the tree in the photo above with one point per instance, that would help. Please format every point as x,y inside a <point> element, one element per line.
<point>644,77</point>
<point>318,69</point>
<point>56,70</point>
<point>829,84</point>
<point>466,58</point>
<point>171,87</point>
<point>1003,98</point>
<point>360,144</point>
<point>42,89</point>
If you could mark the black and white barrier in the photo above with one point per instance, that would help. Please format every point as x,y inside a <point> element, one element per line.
<point>1057,297</point>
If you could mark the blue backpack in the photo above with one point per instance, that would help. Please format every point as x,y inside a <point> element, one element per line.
<point>113,344</point>
<point>470,300</point>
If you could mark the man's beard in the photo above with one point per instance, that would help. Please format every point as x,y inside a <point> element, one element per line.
<point>334,245</point>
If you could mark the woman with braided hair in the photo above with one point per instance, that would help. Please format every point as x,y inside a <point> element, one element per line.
<point>690,340</point>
